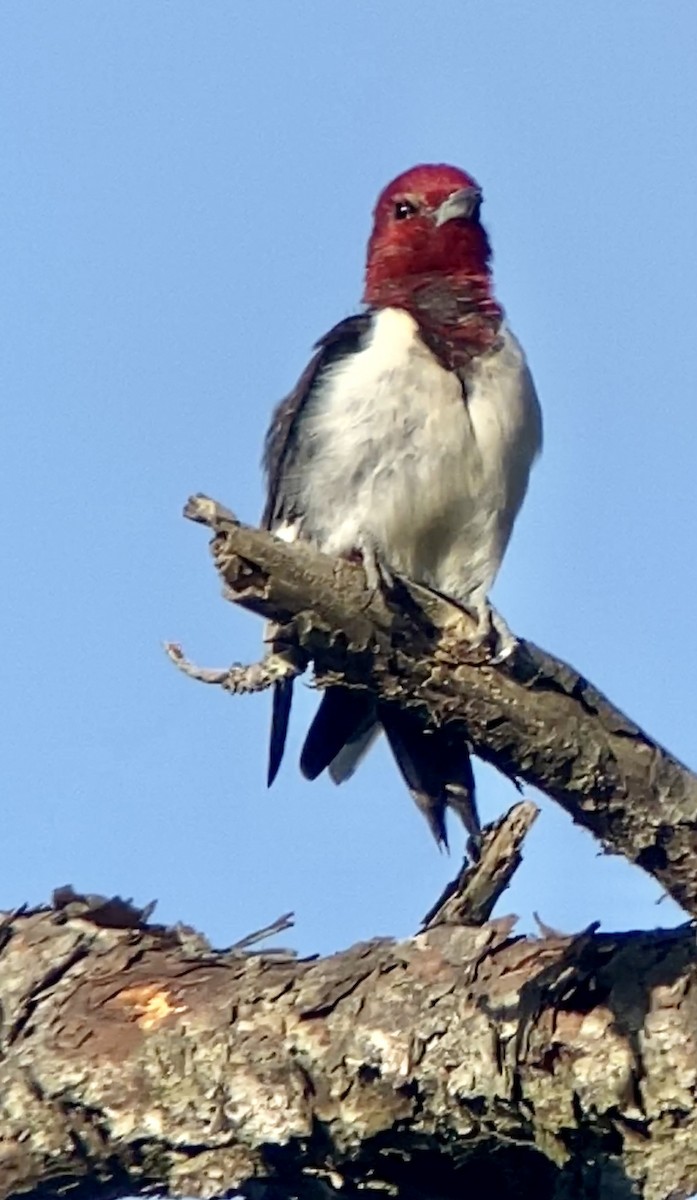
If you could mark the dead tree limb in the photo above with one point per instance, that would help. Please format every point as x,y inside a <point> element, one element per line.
<point>471,897</point>
<point>465,1061</point>
<point>532,716</point>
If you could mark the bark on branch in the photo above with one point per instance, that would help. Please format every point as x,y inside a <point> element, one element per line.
<point>465,1061</point>
<point>535,718</point>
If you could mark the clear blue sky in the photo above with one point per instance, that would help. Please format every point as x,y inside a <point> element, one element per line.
<point>186,195</point>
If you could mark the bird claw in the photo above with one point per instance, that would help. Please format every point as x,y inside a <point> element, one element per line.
<point>378,575</point>
<point>493,631</point>
<point>505,641</point>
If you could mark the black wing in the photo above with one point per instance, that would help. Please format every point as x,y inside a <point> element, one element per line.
<point>281,444</point>
<point>281,439</point>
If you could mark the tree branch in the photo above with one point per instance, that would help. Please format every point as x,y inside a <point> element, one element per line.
<point>532,716</point>
<point>471,897</point>
<point>135,1059</point>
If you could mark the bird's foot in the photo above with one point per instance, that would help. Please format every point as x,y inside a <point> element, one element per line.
<point>378,575</point>
<point>493,631</point>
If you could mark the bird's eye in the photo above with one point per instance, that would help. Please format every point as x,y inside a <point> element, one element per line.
<point>404,209</point>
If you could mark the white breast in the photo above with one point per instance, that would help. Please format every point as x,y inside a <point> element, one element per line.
<point>402,459</point>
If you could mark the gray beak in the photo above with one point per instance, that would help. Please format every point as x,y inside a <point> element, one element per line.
<point>463,203</point>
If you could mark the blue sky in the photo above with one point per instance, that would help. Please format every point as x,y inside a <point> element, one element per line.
<point>186,197</point>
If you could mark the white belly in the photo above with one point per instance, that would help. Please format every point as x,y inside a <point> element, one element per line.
<point>400,458</point>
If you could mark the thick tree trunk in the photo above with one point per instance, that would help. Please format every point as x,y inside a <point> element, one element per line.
<point>464,1061</point>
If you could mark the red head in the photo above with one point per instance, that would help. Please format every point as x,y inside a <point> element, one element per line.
<point>426,227</point>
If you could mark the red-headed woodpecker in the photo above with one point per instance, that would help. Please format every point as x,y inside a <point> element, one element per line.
<point>408,441</point>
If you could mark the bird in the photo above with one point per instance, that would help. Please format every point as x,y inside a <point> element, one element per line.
<point>408,443</point>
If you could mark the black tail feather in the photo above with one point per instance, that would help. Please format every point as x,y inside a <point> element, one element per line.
<point>280,715</point>
<point>435,763</point>
<point>437,769</point>
<point>344,713</point>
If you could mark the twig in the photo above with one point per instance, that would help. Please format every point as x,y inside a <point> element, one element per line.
<point>285,921</point>
<point>239,679</point>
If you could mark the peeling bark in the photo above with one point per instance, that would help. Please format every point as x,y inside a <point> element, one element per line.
<point>532,716</point>
<point>464,1061</point>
